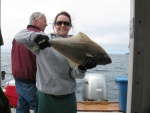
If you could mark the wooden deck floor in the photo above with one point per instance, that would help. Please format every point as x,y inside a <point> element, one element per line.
<point>98,106</point>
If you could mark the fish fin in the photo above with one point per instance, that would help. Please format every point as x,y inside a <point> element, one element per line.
<point>83,36</point>
<point>72,64</point>
<point>89,55</point>
<point>36,47</point>
<point>80,36</point>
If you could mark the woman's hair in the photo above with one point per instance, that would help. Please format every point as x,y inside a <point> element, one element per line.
<point>35,16</point>
<point>65,14</point>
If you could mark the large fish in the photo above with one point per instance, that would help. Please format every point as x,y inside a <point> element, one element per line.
<point>78,47</point>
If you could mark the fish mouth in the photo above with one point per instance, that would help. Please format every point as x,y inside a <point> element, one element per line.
<point>106,61</point>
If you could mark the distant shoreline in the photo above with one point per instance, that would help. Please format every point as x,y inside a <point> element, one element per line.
<point>9,51</point>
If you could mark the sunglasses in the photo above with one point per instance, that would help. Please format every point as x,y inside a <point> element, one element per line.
<point>66,23</point>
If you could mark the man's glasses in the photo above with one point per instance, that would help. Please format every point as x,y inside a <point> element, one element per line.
<point>66,23</point>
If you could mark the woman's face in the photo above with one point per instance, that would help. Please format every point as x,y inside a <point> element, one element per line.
<point>62,25</point>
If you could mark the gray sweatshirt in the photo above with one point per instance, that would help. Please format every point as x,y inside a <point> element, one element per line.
<point>52,75</point>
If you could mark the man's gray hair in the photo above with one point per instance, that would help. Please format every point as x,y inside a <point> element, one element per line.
<point>35,16</point>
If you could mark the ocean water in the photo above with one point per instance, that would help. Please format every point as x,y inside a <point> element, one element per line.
<point>118,67</point>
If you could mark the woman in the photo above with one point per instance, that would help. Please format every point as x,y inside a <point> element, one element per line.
<point>56,82</point>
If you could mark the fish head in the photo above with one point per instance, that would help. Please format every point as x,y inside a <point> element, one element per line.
<point>103,59</point>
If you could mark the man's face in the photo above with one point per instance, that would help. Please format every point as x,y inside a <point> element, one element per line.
<point>42,23</point>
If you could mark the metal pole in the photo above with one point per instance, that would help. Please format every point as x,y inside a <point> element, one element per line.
<point>0,69</point>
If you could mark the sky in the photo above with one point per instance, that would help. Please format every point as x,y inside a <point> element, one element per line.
<point>104,21</point>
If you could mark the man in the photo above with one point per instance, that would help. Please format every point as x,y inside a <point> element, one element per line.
<point>24,67</point>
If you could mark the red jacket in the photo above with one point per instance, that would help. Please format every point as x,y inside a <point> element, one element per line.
<point>23,61</point>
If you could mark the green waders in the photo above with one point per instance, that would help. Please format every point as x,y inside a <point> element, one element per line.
<point>46,103</point>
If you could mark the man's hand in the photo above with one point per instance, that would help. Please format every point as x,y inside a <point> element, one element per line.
<point>89,63</point>
<point>42,41</point>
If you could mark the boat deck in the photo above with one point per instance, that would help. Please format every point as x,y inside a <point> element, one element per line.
<point>93,107</point>
<point>98,106</point>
